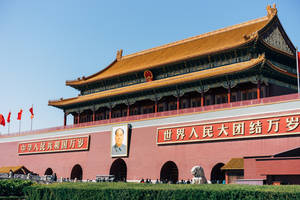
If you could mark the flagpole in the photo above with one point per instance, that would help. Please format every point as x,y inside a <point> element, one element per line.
<point>31,118</point>
<point>19,126</point>
<point>8,118</point>
<point>297,65</point>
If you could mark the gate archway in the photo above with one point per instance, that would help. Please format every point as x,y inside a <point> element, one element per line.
<point>119,170</point>
<point>48,171</point>
<point>169,172</point>
<point>76,172</point>
<point>217,175</point>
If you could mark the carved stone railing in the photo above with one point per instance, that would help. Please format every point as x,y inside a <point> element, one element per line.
<point>4,176</point>
<point>105,178</point>
<point>35,178</point>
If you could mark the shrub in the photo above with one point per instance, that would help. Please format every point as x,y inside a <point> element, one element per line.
<point>13,187</point>
<point>64,191</point>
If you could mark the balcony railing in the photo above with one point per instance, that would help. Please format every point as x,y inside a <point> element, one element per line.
<point>215,107</point>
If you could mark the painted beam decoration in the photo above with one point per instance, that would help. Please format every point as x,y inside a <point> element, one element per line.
<point>233,129</point>
<point>54,145</point>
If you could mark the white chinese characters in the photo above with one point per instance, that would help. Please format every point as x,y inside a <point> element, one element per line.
<point>231,129</point>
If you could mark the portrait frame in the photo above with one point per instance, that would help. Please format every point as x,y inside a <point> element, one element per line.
<point>119,151</point>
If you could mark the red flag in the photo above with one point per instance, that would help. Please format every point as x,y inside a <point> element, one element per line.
<point>8,117</point>
<point>31,111</point>
<point>20,115</point>
<point>2,120</point>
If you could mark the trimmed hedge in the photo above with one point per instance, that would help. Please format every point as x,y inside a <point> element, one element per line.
<point>11,198</point>
<point>13,187</point>
<point>64,191</point>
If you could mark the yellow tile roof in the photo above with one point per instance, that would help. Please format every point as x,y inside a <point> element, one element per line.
<point>234,164</point>
<point>213,72</point>
<point>13,168</point>
<point>205,44</point>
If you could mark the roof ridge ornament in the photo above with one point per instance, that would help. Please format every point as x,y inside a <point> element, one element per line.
<point>272,11</point>
<point>250,36</point>
<point>261,56</point>
<point>119,54</point>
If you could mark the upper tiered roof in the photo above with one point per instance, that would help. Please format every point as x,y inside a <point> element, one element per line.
<point>204,44</point>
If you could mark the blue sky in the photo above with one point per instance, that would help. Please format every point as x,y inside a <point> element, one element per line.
<point>45,43</point>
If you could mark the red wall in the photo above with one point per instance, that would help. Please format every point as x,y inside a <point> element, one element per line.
<point>274,166</point>
<point>146,158</point>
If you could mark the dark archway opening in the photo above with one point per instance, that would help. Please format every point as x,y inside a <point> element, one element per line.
<point>76,172</point>
<point>48,171</point>
<point>169,172</point>
<point>119,170</point>
<point>217,175</point>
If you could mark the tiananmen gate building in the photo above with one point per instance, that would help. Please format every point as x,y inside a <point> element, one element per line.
<point>224,100</point>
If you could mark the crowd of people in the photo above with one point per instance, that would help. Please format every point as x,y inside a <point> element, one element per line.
<point>147,180</point>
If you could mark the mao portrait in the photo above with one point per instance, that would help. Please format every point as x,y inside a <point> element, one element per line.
<point>119,141</point>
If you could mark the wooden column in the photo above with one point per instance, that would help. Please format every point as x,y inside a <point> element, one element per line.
<point>139,108</point>
<point>178,103</point>
<point>258,89</point>
<point>202,99</point>
<point>110,109</point>
<point>65,119</point>
<point>226,178</point>
<point>94,115</point>
<point>78,118</point>
<point>239,96</point>
<point>155,106</point>
<point>128,110</point>
<point>229,95</point>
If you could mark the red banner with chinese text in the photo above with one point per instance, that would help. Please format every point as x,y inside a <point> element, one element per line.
<point>54,145</point>
<point>237,129</point>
